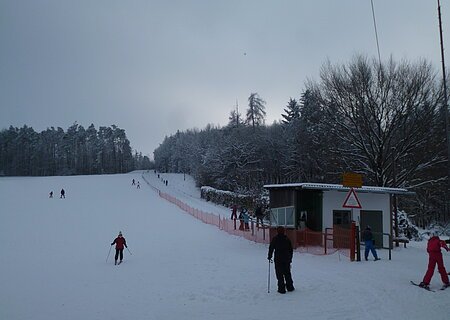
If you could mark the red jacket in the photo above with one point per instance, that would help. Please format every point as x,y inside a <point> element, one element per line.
<point>435,244</point>
<point>120,243</point>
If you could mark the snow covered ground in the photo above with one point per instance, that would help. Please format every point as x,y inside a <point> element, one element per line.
<point>53,262</point>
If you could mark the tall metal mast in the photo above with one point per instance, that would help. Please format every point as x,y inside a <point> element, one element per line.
<point>444,79</point>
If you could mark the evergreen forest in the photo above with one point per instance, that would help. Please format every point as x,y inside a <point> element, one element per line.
<point>25,152</point>
<point>386,121</point>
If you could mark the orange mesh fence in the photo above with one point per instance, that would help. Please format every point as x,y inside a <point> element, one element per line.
<point>250,232</point>
<point>319,243</point>
<point>322,243</point>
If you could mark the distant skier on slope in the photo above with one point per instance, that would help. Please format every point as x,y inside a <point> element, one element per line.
<point>435,257</point>
<point>120,244</point>
<point>63,194</point>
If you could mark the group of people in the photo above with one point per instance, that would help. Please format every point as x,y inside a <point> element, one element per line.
<point>133,183</point>
<point>244,216</point>
<point>62,194</point>
<point>282,247</point>
<point>282,250</point>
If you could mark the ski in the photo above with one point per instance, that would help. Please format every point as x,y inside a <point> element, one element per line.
<point>444,287</point>
<point>119,262</point>
<point>426,288</point>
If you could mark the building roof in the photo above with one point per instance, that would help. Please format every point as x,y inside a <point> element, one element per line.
<point>338,187</point>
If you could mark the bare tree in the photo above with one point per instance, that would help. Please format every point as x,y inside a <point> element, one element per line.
<point>385,118</point>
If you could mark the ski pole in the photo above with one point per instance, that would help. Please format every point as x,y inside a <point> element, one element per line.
<point>108,253</point>
<point>268,279</point>
<point>129,251</point>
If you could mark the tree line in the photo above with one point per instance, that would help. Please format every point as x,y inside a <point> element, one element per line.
<point>386,121</point>
<point>25,152</point>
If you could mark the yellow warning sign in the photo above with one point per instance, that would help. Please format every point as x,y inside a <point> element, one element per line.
<point>352,180</point>
<point>352,201</point>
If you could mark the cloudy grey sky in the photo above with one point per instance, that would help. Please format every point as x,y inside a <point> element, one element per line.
<point>154,67</point>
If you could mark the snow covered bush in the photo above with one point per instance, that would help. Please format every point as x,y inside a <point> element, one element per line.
<point>407,228</point>
<point>226,198</point>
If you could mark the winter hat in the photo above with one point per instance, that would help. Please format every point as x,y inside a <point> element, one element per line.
<point>280,230</point>
<point>120,233</point>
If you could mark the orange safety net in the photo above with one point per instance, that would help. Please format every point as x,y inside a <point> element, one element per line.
<point>307,241</point>
<point>322,243</point>
<point>253,232</point>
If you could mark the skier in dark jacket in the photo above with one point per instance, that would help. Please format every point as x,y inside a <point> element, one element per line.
<point>283,259</point>
<point>259,214</point>
<point>120,243</point>
<point>63,194</point>
<point>435,257</point>
<point>367,237</point>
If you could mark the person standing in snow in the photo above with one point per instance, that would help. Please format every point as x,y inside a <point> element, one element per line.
<point>133,182</point>
<point>242,218</point>
<point>138,185</point>
<point>120,244</point>
<point>435,257</point>
<point>367,237</point>
<point>259,214</point>
<point>63,194</point>
<point>283,259</point>
<point>50,194</point>
<point>234,212</point>
<point>246,217</point>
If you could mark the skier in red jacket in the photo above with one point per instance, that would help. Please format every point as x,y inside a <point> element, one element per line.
<point>120,243</point>
<point>435,257</point>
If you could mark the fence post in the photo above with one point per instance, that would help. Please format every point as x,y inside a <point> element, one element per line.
<point>390,246</point>
<point>358,246</point>
<point>352,241</point>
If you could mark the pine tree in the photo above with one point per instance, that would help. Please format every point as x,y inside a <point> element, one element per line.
<point>256,110</point>
<point>292,111</point>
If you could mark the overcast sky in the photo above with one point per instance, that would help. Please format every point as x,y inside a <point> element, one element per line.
<point>155,67</point>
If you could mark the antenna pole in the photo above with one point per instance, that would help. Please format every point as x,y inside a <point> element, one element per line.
<point>444,80</point>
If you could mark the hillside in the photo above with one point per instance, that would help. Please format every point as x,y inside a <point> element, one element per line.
<point>54,262</point>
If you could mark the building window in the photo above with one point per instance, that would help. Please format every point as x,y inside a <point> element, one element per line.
<point>282,217</point>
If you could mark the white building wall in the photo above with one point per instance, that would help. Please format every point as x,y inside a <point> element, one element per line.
<point>334,200</point>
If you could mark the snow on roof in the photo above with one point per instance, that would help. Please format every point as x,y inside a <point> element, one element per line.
<point>338,187</point>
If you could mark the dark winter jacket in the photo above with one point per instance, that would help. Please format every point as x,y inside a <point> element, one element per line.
<point>367,235</point>
<point>435,244</point>
<point>259,212</point>
<point>120,243</point>
<point>282,247</point>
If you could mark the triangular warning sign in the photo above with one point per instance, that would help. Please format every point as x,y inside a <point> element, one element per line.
<point>352,201</point>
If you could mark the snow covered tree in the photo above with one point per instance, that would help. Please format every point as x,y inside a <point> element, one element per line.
<point>235,119</point>
<point>380,115</point>
<point>292,111</point>
<point>387,123</point>
<point>256,112</point>
<point>56,152</point>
